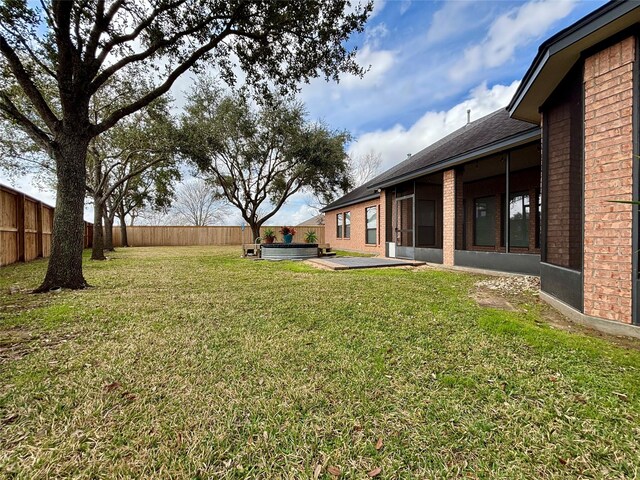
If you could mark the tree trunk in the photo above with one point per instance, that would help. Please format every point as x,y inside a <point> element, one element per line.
<point>97,252</point>
<point>124,241</point>
<point>108,231</point>
<point>255,230</point>
<point>65,262</point>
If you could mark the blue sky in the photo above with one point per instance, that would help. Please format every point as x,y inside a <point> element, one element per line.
<point>429,62</point>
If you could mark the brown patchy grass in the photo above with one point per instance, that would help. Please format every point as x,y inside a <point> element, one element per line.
<point>194,363</point>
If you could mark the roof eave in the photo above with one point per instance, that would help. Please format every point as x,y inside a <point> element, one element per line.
<point>329,208</point>
<point>558,54</point>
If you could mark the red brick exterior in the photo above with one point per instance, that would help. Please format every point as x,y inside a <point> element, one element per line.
<point>448,216</point>
<point>608,167</point>
<point>563,162</point>
<point>357,240</point>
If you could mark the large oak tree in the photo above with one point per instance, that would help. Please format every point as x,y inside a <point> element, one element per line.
<point>56,57</point>
<point>260,154</point>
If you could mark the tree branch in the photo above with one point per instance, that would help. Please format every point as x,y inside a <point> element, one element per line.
<point>27,85</point>
<point>162,89</point>
<point>35,133</point>
<point>99,26</point>
<point>132,174</point>
<point>152,49</point>
<point>120,39</point>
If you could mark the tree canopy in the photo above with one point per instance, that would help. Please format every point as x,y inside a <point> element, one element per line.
<point>56,57</point>
<point>260,154</point>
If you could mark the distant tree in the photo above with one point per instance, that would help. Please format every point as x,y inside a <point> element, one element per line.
<point>142,141</point>
<point>364,167</point>
<point>151,191</point>
<point>197,203</point>
<point>56,57</point>
<point>259,156</point>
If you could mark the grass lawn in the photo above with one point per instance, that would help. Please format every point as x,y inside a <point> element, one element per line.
<point>194,363</point>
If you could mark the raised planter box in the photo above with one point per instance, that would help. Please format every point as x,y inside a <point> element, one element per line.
<point>289,251</point>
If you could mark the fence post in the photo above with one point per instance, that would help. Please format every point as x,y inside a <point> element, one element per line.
<point>39,230</point>
<point>21,226</point>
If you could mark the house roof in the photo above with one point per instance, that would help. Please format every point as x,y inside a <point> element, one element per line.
<point>557,55</point>
<point>485,136</point>
<point>313,221</point>
<point>357,195</point>
<point>491,133</point>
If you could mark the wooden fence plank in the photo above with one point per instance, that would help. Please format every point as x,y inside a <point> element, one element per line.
<point>20,223</point>
<point>164,236</point>
<point>39,230</point>
<point>25,227</point>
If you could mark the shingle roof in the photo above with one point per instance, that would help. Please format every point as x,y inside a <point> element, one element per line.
<point>490,129</point>
<point>313,221</point>
<point>356,195</point>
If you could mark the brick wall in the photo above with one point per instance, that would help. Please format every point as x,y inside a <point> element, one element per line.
<point>448,216</point>
<point>357,240</point>
<point>563,163</point>
<point>608,82</point>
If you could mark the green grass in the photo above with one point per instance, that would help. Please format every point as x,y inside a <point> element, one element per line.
<point>194,363</point>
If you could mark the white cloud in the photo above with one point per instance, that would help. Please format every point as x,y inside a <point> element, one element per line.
<point>298,208</point>
<point>404,6</point>
<point>509,31</point>
<point>379,63</point>
<point>378,6</point>
<point>395,143</point>
<point>457,18</point>
<point>376,34</point>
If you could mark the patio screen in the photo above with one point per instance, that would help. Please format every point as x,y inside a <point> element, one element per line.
<point>426,223</point>
<point>485,221</point>
<point>519,211</point>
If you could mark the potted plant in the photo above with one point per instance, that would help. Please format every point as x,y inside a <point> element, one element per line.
<point>311,237</point>
<point>268,235</point>
<point>287,233</point>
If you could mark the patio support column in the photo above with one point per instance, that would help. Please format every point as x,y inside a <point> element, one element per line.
<point>507,200</point>
<point>448,217</point>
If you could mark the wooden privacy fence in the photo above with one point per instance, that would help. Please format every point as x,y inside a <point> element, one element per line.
<point>158,236</point>
<point>25,227</point>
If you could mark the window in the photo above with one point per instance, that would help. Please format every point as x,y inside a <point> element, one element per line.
<point>372,225</point>
<point>485,222</point>
<point>519,210</point>
<point>339,226</point>
<point>347,224</point>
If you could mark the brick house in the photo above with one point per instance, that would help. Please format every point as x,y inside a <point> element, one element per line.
<point>533,188</point>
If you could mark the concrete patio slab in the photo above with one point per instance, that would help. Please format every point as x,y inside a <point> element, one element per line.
<point>350,263</point>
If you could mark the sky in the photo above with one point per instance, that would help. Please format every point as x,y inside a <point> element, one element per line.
<point>428,62</point>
